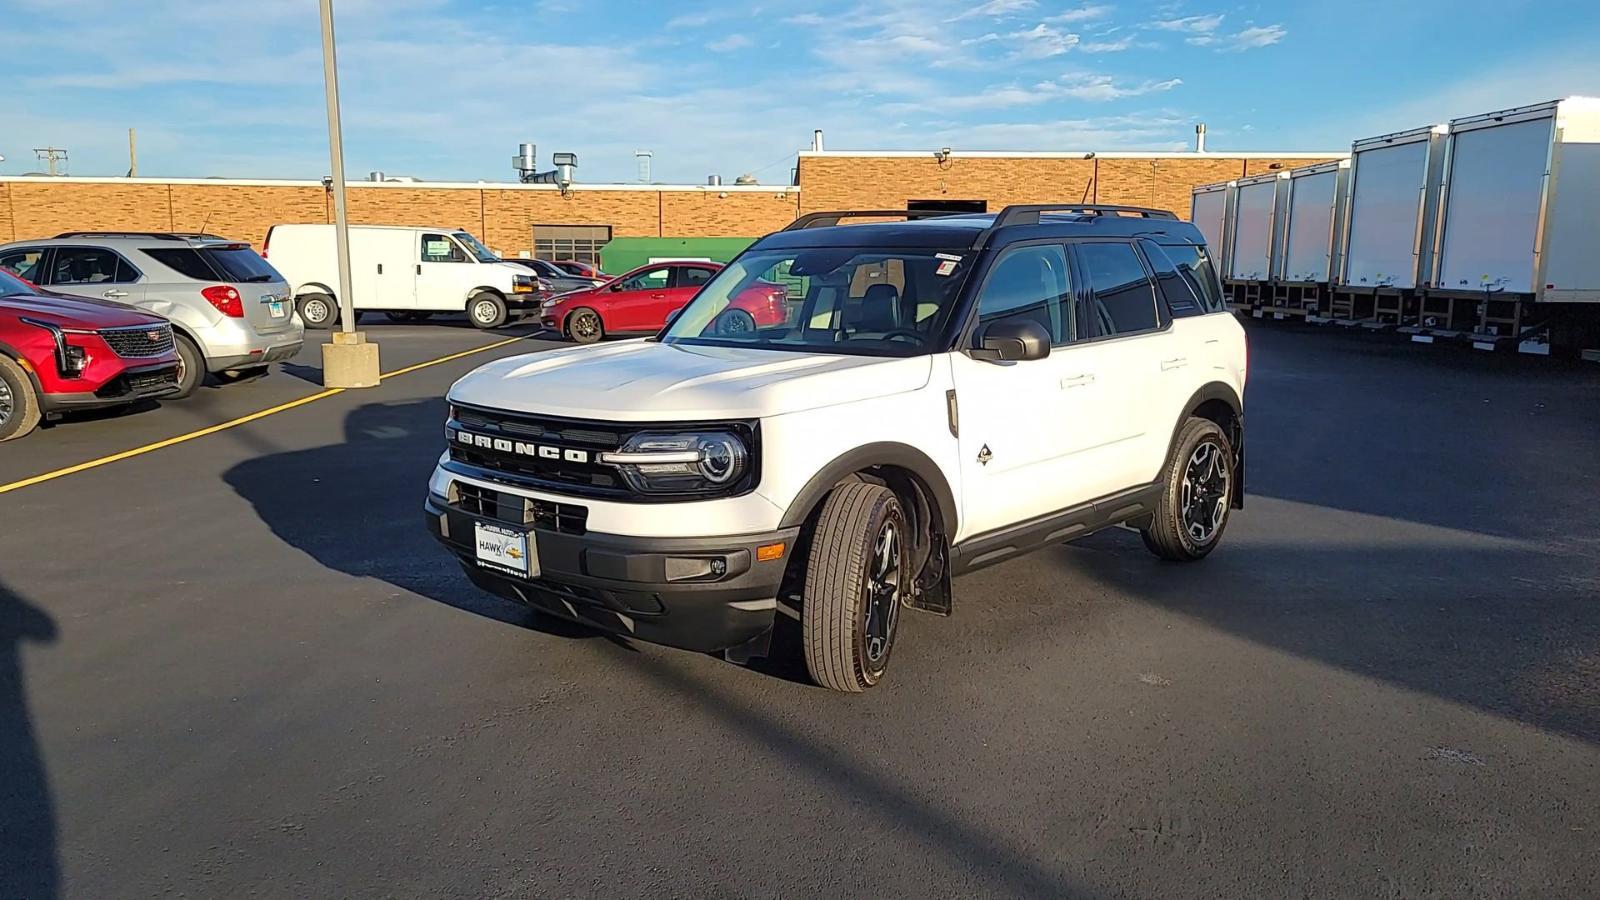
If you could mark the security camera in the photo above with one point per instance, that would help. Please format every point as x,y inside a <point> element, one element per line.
<point>942,154</point>
<point>327,182</point>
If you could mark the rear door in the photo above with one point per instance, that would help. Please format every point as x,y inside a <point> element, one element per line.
<point>97,273</point>
<point>640,302</point>
<point>1130,346</point>
<point>686,282</point>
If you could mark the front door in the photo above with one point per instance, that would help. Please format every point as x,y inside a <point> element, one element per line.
<point>1025,428</point>
<point>443,271</point>
<point>640,301</point>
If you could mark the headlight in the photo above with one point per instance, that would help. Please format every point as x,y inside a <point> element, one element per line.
<point>71,359</point>
<point>550,303</point>
<point>679,463</point>
<point>524,284</point>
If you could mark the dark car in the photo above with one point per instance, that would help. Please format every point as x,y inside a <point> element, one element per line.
<point>581,269</point>
<point>61,353</point>
<point>554,279</point>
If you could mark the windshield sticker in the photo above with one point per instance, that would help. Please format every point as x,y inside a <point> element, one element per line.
<point>949,256</point>
<point>946,266</point>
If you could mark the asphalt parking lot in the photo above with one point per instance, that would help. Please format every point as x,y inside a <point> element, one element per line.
<point>238,666</point>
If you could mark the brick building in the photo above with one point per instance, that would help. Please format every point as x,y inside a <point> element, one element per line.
<point>516,217</point>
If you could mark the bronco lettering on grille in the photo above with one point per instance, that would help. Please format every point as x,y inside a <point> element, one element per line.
<point>521,448</point>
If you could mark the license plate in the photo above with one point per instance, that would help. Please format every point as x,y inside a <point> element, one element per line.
<point>278,309</point>
<point>506,550</point>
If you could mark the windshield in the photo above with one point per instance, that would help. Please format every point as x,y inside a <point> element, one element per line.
<point>484,254</point>
<point>863,301</point>
<point>10,284</point>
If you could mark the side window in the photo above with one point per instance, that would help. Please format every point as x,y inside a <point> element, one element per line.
<point>87,265</point>
<point>1178,292</point>
<point>1033,283</point>
<point>24,262</point>
<point>653,280</point>
<point>438,248</point>
<point>1124,300</point>
<point>1194,266</point>
<point>693,276</point>
<point>186,262</point>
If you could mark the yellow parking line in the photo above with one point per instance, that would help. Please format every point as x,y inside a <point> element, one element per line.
<point>224,426</point>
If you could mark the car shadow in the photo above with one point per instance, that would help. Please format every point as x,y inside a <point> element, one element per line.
<point>28,865</point>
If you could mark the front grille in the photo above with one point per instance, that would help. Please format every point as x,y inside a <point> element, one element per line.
<point>567,518</point>
<point>139,341</point>
<point>572,449</point>
<point>138,383</point>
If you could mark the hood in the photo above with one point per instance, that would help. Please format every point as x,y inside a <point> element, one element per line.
<point>76,312</point>
<point>644,380</point>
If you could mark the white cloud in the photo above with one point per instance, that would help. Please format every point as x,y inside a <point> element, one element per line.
<point>731,42</point>
<point>691,20</point>
<point>1191,24</point>
<point>1248,38</point>
<point>995,9</point>
<point>1041,42</point>
<point>1087,13</point>
<point>1100,88</point>
<point>1107,44</point>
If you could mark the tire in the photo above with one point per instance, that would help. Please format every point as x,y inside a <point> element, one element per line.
<point>487,310</point>
<point>19,405</point>
<point>850,610</point>
<point>735,321</point>
<point>1196,495</point>
<point>585,326</point>
<point>191,368</point>
<point>318,311</point>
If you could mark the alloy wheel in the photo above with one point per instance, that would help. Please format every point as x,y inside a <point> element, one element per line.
<point>8,403</point>
<point>587,325</point>
<point>883,592</point>
<point>1205,490</point>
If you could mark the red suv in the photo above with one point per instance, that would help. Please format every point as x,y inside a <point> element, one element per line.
<point>641,300</point>
<point>60,353</point>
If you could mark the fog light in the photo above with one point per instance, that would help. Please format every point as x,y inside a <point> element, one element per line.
<point>681,568</point>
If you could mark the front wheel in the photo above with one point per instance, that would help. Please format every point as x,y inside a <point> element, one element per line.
<point>585,327</point>
<point>1196,495</point>
<point>19,406</point>
<point>487,310</point>
<point>857,573</point>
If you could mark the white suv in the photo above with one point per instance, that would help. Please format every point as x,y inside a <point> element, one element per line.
<point>946,392</point>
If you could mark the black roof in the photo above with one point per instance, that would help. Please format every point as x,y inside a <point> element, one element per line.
<point>978,230</point>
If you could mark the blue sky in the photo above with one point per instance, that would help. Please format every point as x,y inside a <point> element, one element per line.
<point>444,89</point>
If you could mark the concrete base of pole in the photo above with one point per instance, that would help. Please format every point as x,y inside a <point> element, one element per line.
<point>349,361</point>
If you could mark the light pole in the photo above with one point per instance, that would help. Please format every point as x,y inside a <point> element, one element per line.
<point>349,361</point>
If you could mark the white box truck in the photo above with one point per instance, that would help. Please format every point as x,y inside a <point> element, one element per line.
<point>1313,220</point>
<point>408,272</point>
<point>1388,235</point>
<point>1257,217</point>
<point>1210,207</point>
<point>1519,209</point>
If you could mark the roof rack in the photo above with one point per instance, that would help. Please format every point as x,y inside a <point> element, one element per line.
<point>1028,214</point>
<point>153,235</point>
<point>829,219</point>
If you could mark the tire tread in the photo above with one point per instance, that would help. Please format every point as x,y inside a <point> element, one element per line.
<point>834,579</point>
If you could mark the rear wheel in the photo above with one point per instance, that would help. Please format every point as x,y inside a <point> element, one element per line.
<point>857,572</point>
<point>1197,494</point>
<point>318,311</point>
<point>584,326</point>
<point>487,310</point>
<point>191,367</point>
<point>19,406</point>
<point>735,321</point>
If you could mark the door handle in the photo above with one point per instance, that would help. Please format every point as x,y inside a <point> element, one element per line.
<point>114,294</point>
<point>380,268</point>
<point>419,268</point>
<point>1077,381</point>
<point>1175,363</point>
<point>658,296</point>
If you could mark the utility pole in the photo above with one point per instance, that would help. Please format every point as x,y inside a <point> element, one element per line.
<point>349,361</point>
<point>133,154</point>
<point>51,157</point>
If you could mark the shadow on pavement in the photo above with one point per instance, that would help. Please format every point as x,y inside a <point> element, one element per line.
<point>28,866</point>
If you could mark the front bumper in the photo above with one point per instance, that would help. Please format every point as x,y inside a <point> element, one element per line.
<point>618,583</point>
<point>133,383</point>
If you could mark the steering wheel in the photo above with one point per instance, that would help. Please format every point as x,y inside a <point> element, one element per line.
<point>903,333</point>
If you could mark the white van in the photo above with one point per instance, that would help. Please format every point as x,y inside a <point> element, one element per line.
<point>409,273</point>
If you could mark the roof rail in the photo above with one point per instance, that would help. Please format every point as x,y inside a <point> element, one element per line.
<point>154,235</point>
<point>829,219</point>
<point>1028,214</point>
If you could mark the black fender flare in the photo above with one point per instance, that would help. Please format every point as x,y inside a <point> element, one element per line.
<point>1218,390</point>
<point>881,453</point>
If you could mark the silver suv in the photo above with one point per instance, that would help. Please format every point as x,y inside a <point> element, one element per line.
<point>231,311</point>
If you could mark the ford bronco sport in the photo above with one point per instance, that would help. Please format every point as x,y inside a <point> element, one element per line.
<point>944,393</point>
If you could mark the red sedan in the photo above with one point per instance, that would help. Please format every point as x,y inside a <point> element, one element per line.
<point>60,353</point>
<point>640,301</point>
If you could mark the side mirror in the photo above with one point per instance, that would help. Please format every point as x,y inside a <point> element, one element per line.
<point>616,286</point>
<point>672,317</point>
<point>1013,340</point>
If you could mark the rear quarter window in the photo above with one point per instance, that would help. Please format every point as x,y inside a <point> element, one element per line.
<point>183,260</point>
<point>240,264</point>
